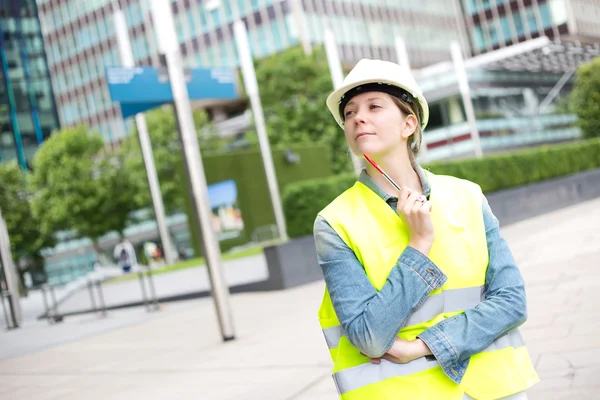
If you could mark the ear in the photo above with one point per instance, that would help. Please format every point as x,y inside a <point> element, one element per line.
<point>410,125</point>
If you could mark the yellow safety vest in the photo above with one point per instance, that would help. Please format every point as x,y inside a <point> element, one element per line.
<point>377,235</point>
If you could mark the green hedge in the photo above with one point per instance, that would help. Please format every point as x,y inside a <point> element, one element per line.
<point>303,200</point>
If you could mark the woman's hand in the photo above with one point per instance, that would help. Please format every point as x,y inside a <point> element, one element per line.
<point>404,351</point>
<point>416,211</point>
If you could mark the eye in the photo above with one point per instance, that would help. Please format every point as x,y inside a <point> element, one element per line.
<point>348,113</point>
<point>372,106</point>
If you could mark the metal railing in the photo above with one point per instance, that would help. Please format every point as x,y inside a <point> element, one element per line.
<point>9,313</point>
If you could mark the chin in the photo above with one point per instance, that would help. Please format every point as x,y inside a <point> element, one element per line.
<point>368,148</point>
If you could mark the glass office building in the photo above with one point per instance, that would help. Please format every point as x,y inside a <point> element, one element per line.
<point>493,24</point>
<point>80,40</point>
<point>27,109</point>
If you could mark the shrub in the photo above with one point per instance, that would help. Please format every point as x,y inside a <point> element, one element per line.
<point>303,200</point>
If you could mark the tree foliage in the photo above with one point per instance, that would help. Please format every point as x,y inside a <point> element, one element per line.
<point>26,238</point>
<point>166,148</point>
<point>585,98</point>
<point>80,185</point>
<point>293,90</point>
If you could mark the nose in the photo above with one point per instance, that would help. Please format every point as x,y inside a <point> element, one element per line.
<point>359,117</point>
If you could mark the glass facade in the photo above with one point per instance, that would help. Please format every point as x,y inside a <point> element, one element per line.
<point>27,107</point>
<point>499,23</point>
<point>507,112</point>
<point>80,40</point>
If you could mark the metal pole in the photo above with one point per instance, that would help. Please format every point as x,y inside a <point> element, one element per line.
<point>152,289</point>
<point>13,316</point>
<point>463,85</point>
<point>555,91</point>
<point>337,77</point>
<point>144,137</point>
<point>10,272</point>
<point>333,59</point>
<point>48,311</point>
<point>300,20</point>
<point>168,44</point>
<point>241,38</point>
<point>4,310</point>
<point>101,297</point>
<point>55,316</point>
<point>92,298</point>
<point>404,61</point>
<point>143,286</point>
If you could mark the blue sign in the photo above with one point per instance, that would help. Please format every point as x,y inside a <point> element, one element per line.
<point>140,89</point>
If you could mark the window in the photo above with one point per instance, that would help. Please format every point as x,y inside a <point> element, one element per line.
<point>505,28</point>
<point>545,15</point>
<point>493,35</point>
<point>191,23</point>
<point>242,7</point>
<point>531,22</point>
<point>228,10</point>
<point>277,29</point>
<point>518,24</point>
<point>436,116</point>
<point>216,18</point>
<point>478,38</point>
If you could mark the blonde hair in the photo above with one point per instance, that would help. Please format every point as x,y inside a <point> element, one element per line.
<point>414,141</point>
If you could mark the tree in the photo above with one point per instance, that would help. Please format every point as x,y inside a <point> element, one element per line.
<point>166,148</point>
<point>79,184</point>
<point>27,239</point>
<point>293,90</point>
<point>585,98</point>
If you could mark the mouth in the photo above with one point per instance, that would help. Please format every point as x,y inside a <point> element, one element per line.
<point>363,134</point>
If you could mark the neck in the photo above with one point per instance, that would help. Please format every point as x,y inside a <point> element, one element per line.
<point>399,168</point>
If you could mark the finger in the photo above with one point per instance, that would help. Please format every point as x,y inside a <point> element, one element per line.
<point>391,358</point>
<point>402,196</point>
<point>424,208</point>
<point>427,205</point>
<point>410,203</point>
<point>418,206</point>
<point>375,361</point>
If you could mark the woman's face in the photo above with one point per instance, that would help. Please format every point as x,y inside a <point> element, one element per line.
<point>374,124</point>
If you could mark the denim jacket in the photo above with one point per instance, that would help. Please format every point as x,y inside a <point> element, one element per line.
<point>372,319</point>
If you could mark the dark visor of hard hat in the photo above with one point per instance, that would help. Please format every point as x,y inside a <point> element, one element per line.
<point>377,87</point>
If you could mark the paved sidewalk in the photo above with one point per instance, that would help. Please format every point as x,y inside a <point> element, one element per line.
<point>178,283</point>
<point>280,352</point>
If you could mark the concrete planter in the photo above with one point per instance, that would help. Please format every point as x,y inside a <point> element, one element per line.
<point>517,204</point>
<point>292,263</point>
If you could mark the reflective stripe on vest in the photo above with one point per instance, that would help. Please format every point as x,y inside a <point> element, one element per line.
<point>516,396</point>
<point>369,373</point>
<point>447,301</point>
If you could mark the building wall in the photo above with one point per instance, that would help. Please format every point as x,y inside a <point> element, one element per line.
<point>80,39</point>
<point>27,110</point>
<point>494,24</point>
<point>585,18</point>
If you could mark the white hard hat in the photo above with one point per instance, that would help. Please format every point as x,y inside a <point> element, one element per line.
<point>389,75</point>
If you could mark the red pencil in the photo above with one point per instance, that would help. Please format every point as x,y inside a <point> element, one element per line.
<point>382,172</point>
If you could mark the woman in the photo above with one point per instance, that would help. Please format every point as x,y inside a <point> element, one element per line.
<point>423,296</point>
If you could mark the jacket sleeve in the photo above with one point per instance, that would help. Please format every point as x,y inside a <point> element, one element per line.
<point>454,340</point>
<point>372,318</point>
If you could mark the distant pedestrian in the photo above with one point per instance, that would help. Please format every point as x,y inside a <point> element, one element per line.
<point>124,255</point>
<point>182,254</point>
<point>423,296</point>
